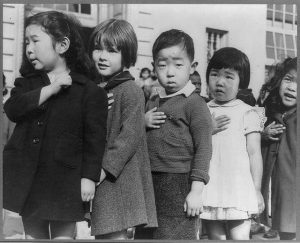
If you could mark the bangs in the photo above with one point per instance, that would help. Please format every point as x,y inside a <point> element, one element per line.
<point>106,40</point>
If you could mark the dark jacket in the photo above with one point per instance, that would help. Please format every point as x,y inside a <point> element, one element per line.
<point>126,197</point>
<point>280,168</point>
<point>53,146</point>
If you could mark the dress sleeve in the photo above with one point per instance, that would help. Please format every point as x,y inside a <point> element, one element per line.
<point>254,120</point>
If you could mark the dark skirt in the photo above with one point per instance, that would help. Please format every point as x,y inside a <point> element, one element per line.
<point>170,191</point>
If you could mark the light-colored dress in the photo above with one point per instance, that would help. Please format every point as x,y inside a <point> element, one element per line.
<point>230,194</point>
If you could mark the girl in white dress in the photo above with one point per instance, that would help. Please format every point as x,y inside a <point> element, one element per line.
<point>233,193</point>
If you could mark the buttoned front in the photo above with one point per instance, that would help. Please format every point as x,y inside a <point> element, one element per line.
<point>53,146</point>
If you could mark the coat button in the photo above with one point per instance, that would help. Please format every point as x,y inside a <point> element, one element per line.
<point>40,123</point>
<point>36,140</point>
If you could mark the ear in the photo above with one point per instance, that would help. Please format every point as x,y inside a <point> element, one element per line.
<point>63,46</point>
<point>152,63</point>
<point>193,67</point>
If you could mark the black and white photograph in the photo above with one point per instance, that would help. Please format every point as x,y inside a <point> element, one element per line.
<point>149,121</point>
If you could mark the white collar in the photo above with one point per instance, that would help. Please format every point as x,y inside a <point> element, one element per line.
<point>235,102</point>
<point>187,90</point>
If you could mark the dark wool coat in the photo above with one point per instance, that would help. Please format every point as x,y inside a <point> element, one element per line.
<point>125,198</point>
<point>53,146</point>
<point>280,167</point>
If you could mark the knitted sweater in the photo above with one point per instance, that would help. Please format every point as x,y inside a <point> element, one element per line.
<point>183,143</point>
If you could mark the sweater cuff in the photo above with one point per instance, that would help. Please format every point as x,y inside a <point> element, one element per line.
<point>199,175</point>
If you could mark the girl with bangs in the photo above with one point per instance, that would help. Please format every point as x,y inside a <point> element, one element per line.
<point>124,198</point>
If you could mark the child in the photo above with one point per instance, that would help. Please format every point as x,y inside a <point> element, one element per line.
<point>125,197</point>
<point>279,152</point>
<point>53,159</point>
<point>180,150</point>
<point>233,192</point>
<point>144,75</point>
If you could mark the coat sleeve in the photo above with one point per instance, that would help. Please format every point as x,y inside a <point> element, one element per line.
<point>94,132</point>
<point>201,130</point>
<point>121,150</point>
<point>22,100</point>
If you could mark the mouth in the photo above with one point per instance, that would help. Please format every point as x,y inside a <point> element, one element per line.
<point>102,66</point>
<point>290,96</point>
<point>219,91</point>
<point>33,60</point>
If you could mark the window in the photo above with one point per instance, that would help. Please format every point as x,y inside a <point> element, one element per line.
<point>280,45</point>
<point>282,14</point>
<point>74,8</point>
<point>215,40</point>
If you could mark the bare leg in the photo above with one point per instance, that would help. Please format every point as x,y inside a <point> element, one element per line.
<point>216,229</point>
<point>36,228</point>
<point>62,230</point>
<point>239,229</point>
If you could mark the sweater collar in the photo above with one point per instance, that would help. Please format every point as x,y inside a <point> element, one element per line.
<point>187,90</point>
<point>118,79</point>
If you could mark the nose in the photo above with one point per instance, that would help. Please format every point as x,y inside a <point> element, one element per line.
<point>170,71</point>
<point>292,87</point>
<point>29,48</point>
<point>102,55</point>
<point>220,81</point>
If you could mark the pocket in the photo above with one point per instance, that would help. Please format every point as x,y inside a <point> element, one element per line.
<point>68,151</point>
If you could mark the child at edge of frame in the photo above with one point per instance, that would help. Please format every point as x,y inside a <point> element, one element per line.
<point>279,147</point>
<point>179,131</point>
<point>53,159</point>
<point>124,198</point>
<point>233,194</point>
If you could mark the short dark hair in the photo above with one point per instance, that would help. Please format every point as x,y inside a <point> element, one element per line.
<point>116,33</point>
<point>58,26</point>
<point>229,57</point>
<point>145,69</point>
<point>174,37</point>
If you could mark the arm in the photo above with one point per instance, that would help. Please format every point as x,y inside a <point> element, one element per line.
<point>201,130</point>
<point>23,100</point>
<point>124,146</point>
<point>94,140</point>
<point>256,165</point>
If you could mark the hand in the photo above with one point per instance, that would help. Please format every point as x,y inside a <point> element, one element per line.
<point>220,123</point>
<point>87,189</point>
<point>110,100</point>
<point>272,130</point>
<point>62,80</point>
<point>260,200</point>
<point>153,118</point>
<point>193,204</point>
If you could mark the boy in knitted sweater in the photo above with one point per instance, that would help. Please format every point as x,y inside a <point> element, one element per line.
<point>179,131</point>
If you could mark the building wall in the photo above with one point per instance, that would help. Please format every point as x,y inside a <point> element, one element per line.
<point>246,26</point>
<point>13,21</point>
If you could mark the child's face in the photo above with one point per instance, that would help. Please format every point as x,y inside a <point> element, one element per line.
<point>39,49</point>
<point>224,84</point>
<point>173,68</point>
<point>107,61</point>
<point>145,74</point>
<point>288,89</point>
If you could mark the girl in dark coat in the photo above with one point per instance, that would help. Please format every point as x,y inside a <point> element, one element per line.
<point>53,159</point>
<point>125,197</point>
<point>279,152</point>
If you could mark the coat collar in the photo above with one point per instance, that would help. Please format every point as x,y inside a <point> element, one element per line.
<point>187,90</point>
<point>76,77</point>
<point>118,79</point>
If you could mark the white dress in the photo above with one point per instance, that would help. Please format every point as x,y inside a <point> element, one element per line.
<point>230,194</point>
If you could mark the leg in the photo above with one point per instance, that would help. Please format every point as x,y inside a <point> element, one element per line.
<point>62,230</point>
<point>216,230</point>
<point>120,235</point>
<point>239,229</point>
<point>36,228</point>
<point>287,236</point>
